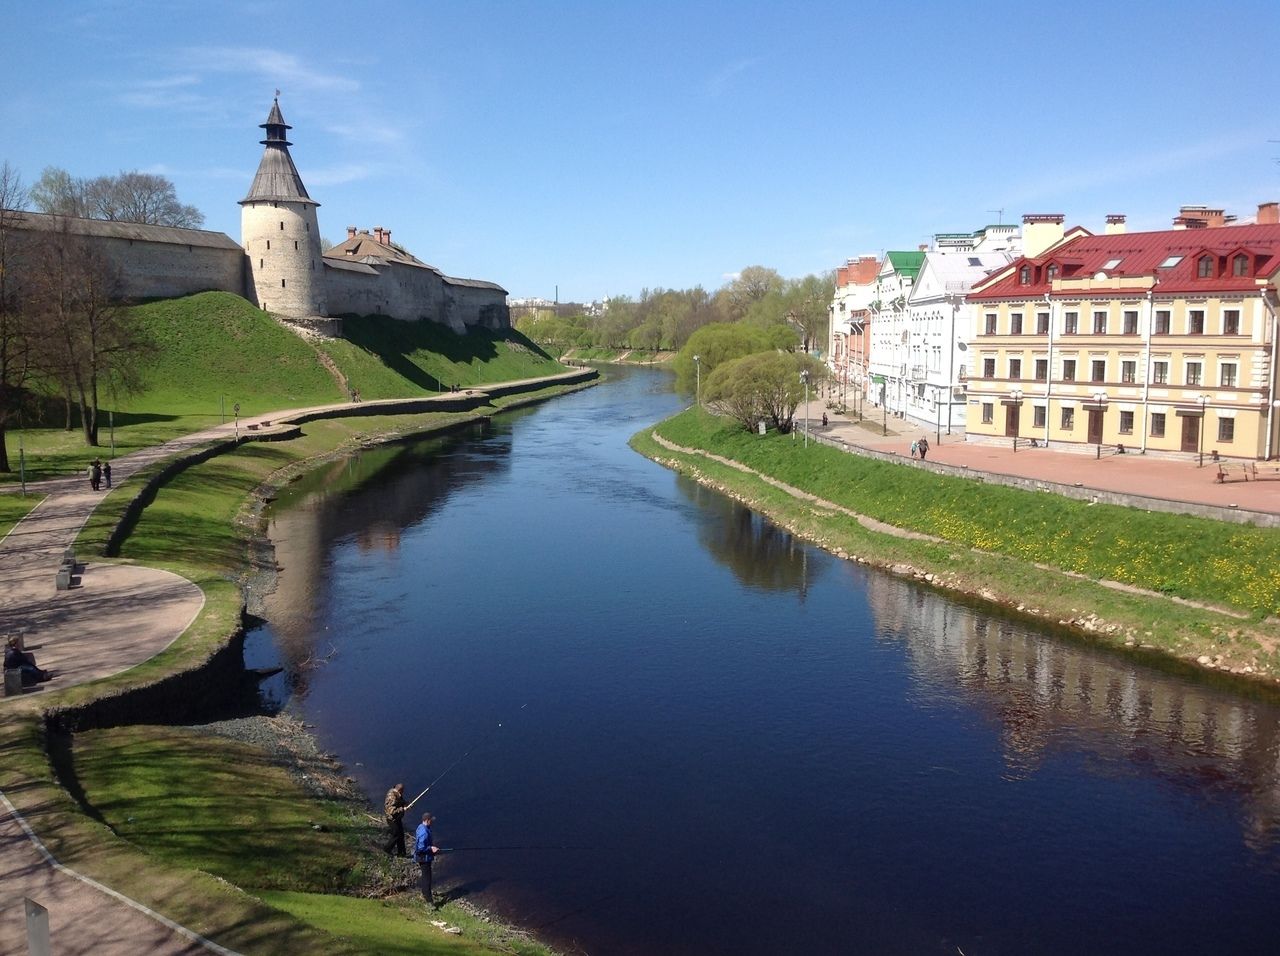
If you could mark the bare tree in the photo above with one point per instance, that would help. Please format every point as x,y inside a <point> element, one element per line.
<point>89,343</point>
<point>15,327</point>
<point>752,283</point>
<point>127,197</point>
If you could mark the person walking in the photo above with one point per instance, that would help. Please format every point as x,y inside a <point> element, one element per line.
<point>923,445</point>
<point>915,447</point>
<point>106,473</point>
<point>95,475</point>
<point>393,809</point>
<point>423,854</point>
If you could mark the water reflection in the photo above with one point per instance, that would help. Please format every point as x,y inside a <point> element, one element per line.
<point>368,499</point>
<point>1046,695</point>
<point>758,552</point>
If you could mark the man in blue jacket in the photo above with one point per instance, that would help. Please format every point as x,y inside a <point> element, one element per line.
<point>424,853</point>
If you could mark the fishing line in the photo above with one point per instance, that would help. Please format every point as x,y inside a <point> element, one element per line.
<point>474,747</point>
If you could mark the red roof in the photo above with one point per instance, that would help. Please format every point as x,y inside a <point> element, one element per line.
<point>1139,255</point>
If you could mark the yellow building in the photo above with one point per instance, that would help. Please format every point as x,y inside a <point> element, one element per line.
<point>1161,342</point>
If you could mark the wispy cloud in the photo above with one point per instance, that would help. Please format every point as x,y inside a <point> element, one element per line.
<point>344,173</point>
<point>1082,176</point>
<point>720,82</point>
<point>370,132</point>
<point>285,70</point>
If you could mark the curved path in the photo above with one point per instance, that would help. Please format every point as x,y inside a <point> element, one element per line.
<point>116,617</point>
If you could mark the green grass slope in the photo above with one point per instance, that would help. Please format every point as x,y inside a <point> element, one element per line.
<point>387,358</point>
<point>214,350</point>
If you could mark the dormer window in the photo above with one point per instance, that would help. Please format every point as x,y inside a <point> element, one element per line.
<point>1204,267</point>
<point>1024,275</point>
<point>1240,265</point>
<point>1051,272</point>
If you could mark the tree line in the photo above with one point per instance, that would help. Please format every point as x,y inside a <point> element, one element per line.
<point>63,333</point>
<point>664,319</point>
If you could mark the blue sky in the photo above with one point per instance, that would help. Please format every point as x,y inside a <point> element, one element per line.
<point>604,147</point>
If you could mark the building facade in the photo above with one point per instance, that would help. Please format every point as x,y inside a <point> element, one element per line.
<point>1160,342</point>
<point>890,345</point>
<point>849,317</point>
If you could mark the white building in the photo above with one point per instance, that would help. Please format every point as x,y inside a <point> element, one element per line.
<point>889,340</point>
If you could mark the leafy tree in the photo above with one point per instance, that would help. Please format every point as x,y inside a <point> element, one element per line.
<point>751,284</point>
<point>715,344</point>
<point>808,301</point>
<point>127,197</point>
<point>765,385</point>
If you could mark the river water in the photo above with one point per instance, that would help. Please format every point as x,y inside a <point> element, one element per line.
<point>690,732</point>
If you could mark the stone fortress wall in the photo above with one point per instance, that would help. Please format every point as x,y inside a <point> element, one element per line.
<point>280,267</point>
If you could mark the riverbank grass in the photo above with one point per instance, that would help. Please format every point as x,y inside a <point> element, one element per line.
<point>974,515</point>
<point>13,508</point>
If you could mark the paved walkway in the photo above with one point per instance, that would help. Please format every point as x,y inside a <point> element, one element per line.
<point>1172,479</point>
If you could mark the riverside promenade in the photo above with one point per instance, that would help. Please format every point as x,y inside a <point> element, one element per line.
<point>1131,474</point>
<point>116,617</point>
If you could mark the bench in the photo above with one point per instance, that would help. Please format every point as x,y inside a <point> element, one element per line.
<point>252,426</point>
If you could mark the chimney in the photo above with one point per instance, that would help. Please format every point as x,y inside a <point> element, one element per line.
<point>377,233</point>
<point>1115,224</point>
<point>1268,213</point>
<point>924,247</point>
<point>351,232</point>
<point>1210,218</point>
<point>386,236</point>
<point>1040,231</point>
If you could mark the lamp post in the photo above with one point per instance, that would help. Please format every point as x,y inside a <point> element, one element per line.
<point>236,409</point>
<point>697,366</point>
<point>1099,398</point>
<point>1203,400</point>
<point>804,377</point>
<point>1015,394</point>
<point>22,457</point>
<point>937,413</point>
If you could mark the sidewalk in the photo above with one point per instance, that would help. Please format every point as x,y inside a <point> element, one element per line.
<point>1132,473</point>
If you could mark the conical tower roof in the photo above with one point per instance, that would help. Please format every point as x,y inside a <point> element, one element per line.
<point>277,179</point>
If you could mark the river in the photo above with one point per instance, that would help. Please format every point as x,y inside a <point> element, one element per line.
<point>694,733</point>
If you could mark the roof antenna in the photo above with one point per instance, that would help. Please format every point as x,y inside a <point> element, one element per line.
<point>999,212</point>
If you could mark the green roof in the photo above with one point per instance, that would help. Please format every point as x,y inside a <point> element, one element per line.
<point>906,263</point>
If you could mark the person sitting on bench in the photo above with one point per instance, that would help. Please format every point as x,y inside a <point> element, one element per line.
<point>15,659</point>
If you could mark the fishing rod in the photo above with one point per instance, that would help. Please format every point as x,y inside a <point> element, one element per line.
<point>474,746</point>
<point>520,846</point>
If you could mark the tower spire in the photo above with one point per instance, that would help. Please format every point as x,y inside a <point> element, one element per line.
<point>277,178</point>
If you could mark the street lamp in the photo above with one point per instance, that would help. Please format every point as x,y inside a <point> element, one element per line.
<point>1203,400</point>
<point>22,457</point>
<point>697,365</point>
<point>1015,394</point>
<point>804,377</point>
<point>937,412</point>
<point>1100,399</point>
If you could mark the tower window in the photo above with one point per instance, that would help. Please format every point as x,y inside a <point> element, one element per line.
<point>268,243</point>
<point>260,264</point>
<point>295,243</point>
<point>282,225</point>
<point>282,283</point>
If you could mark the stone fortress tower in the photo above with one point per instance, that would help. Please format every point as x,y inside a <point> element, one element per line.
<point>280,232</point>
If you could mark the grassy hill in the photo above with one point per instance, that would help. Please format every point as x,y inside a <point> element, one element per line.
<point>215,350</point>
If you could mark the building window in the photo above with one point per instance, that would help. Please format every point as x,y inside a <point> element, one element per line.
<point>1131,323</point>
<point>1227,374</point>
<point>1015,323</point>
<point>1129,371</point>
<point>988,368</point>
<point>1240,265</point>
<point>1015,368</point>
<point>1098,370</point>
<point>1204,267</point>
<point>1042,369</point>
<point>1159,373</point>
<point>1068,419</point>
<point>1037,416</point>
<point>988,413</point>
<point>1162,322</point>
<point>1193,373</point>
<point>1126,423</point>
<point>1071,323</point>
<point>1195,322</point>
<point>1231,322</point>
<point>1024,275</point>
<point>1099,323</point>
<point>1068,370</point>
<point>1051,273</point>
<point>991,323</point>
<point>1226,429</point>
<point>1157,424</point>
<point>1042,323</point>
